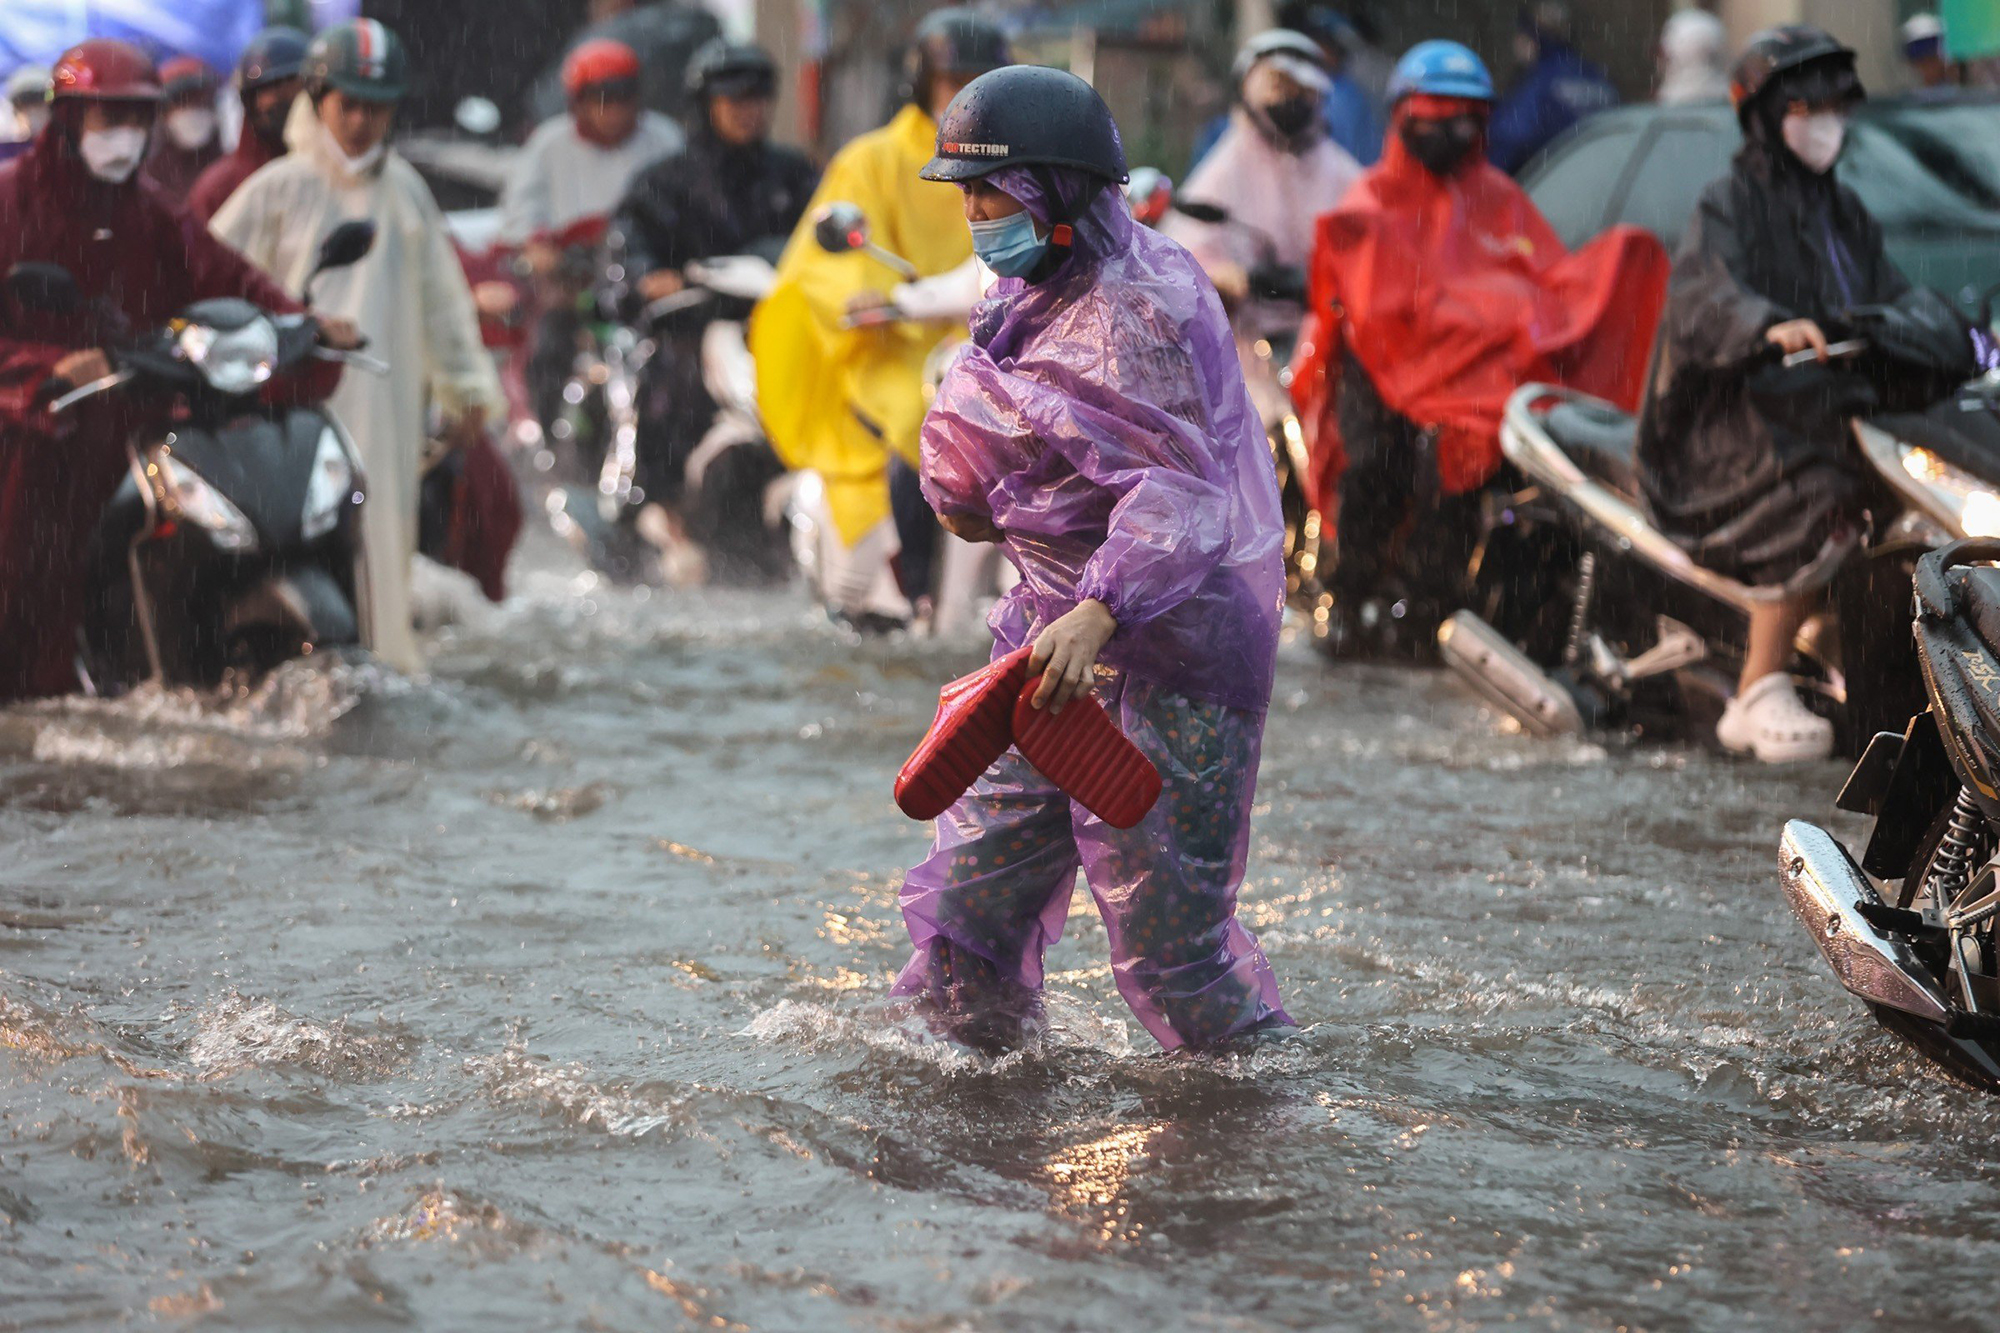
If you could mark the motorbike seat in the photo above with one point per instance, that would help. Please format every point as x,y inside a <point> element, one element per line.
<point>1599,439</point>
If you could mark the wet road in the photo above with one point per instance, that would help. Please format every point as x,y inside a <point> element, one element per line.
<point>548,995</point>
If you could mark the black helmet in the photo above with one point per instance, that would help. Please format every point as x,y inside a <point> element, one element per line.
<point>274,55</point>
<point>731,69</point>
<point>1804,61</point>
<point>953,41</point>
<point>1026,115</point>
<point>361,59</point>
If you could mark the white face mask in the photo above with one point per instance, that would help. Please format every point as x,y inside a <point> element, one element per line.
<point>113,155</point>
<point>190,126</point>
<point>1815,138</point>
<point>356,166</point>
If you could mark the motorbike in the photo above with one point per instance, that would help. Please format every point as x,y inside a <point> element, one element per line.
<point>235,543</point>
<point>1624,631</point>
<point>730,518</point>
<point>1910,930</point>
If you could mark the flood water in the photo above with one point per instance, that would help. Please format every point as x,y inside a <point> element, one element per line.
<point>547,994</point>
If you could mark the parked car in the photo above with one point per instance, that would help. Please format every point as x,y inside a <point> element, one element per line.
<point>1928,170</point>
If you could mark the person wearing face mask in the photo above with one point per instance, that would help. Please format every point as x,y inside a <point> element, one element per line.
<point>189,140</point>
<point>409,296</point>
<point>26,109</point>
<point>267,79</point>
<point>76,200</point>
<point>729,192</point>
<point>842,389</point>
<point>1098,428</point>
<point>1273,171</point>
<point>1436,290</point>
<point>1745,463</point>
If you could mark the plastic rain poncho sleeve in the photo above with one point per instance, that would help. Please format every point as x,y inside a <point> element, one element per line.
<point>1099,419</point>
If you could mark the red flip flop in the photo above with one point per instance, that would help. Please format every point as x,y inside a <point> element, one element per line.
<point>1083,752</point>
<point>974,726</point>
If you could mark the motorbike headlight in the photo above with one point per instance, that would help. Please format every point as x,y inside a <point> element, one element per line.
<point>233,361</point>
<point>330,486</point>
<point>196,502</point>
<point>1963,499</point>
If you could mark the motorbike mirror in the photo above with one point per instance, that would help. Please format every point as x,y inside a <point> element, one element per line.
<point>1213,214</point>
<point>477,116</point>
<point>345,245</point>
<point>48,288</point>
<point>840,228</point>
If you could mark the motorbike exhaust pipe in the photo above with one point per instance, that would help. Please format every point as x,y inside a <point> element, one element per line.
<point>1505,677</point>
<point>1824,885</point>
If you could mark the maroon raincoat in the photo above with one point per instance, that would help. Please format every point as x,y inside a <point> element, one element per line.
<point>212,190</point>
<point>147,257</point>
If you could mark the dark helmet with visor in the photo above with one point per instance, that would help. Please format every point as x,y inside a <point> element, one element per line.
<point>274,55</point>
<point>361,59</point>
<point>1026,116</point>
<point>722,68</point>
<point>957,42</point>
<point>1794,62</point>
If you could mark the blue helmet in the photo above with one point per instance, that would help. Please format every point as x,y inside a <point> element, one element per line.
<point>1441,69</point>
<point>273,55</point>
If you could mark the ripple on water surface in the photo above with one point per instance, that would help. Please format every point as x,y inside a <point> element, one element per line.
<point>549,992</point>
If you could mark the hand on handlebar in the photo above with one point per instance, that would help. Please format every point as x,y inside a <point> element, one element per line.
<point>342,335</point>
<point>81,368</point>
<point>1796,335</point>
<point>870,306</point>
<point>660,285</point>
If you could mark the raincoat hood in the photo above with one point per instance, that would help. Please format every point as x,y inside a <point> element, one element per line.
<point>1099,419</point>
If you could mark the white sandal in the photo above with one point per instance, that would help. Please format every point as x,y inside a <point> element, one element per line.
<point>1770,721</point>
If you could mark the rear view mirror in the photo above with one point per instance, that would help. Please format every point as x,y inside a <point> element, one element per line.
<point>841,227</point>
<point>47,288</point>
<point>345,245</point>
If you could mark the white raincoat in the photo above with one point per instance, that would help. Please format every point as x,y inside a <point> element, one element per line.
<point>411,301</point>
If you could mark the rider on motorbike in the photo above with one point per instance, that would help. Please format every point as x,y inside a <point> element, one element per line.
<point>579,164</point>
<point>1098,427</point>
<point>1437,289</point>
<point>1274,171</point>
<point>189,138</point>
<point>846,400</point>
<point>267,79</point>
<point>409,295</point>
<point>729,192</point>
<point>75,200</point>
<point>1746,464</point>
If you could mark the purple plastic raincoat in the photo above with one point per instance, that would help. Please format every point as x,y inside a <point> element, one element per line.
<point>1100,421</point>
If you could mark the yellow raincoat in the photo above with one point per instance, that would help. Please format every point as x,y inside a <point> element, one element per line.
<point>837,400</point>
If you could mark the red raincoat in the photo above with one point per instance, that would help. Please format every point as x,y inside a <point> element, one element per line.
<point>212,190</point>
<point>1451,293</point>
<point>133,247</point>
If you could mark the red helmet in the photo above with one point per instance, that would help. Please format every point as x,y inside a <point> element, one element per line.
<point>600,60</point>
<point>104,70</point>
<point>186,76</point>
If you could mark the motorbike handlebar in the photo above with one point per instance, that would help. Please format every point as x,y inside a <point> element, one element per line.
<point>1846,349</point>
